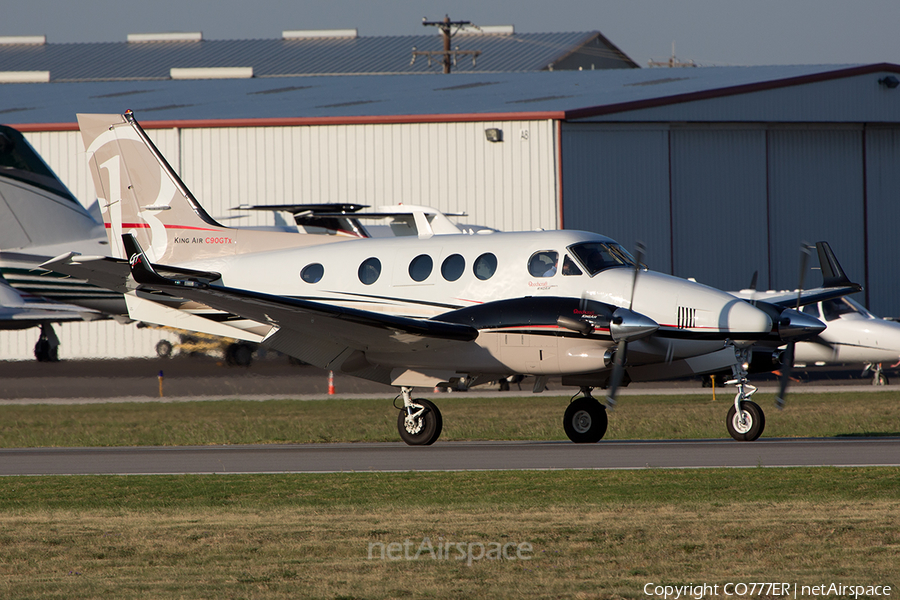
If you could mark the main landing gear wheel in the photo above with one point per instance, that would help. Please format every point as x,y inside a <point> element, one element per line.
<point>749,425</point>
<point>585,421</point>
<point>421,424</point>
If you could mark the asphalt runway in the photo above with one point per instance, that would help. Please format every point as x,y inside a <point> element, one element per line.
<point>205,377</point>
<point>451,456</point>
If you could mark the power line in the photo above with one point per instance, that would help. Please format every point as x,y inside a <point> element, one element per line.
<point>448,56</point>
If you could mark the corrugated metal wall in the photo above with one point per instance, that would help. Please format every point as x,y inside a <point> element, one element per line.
<point>100,339</point>
<point>816,193</point>
<point>719,204</point>
<point>450,166</point>
<point>882,147</point>
<point>720,201</point>
<point>616,182</point>
<point>509,185</point>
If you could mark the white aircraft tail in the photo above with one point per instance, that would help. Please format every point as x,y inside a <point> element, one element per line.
<point>36,208</point>
<point>140,193</point>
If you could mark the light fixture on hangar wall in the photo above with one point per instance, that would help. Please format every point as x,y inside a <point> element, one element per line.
<point>448,56</point>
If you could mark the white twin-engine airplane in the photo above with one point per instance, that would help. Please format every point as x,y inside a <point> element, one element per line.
<point>420,310</point>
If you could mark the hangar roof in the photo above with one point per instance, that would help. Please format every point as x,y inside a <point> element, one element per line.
<point>854,94</point>
<point>331,53</point>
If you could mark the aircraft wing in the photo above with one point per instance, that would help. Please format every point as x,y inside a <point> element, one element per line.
<point>115,273</point>
<point>789,299</point>
<point>835,284</point>
<point>321,334</point>
<point>21,311</point>
<point>103,271</point>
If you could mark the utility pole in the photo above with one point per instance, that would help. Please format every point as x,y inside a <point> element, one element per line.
<point>448,56</point>
<point>672,62</point>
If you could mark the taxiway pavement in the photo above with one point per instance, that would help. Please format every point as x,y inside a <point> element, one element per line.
<point>451,456</point>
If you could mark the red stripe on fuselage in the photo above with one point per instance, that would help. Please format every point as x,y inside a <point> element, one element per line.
<point>147,226</point>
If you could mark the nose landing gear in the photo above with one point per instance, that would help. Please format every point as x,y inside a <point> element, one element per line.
<point>745,421</point>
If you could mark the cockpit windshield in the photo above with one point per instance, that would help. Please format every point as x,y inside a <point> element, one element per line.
<point>19,161</point>
<point>832,309</point>
<point>599,256</point>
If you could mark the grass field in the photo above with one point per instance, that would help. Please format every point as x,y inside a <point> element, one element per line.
<point>591,534</point>
<point>531,417</point>
<point>579,534</point>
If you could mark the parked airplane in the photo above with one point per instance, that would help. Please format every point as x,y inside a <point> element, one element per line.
<point>39,219</point>
<point>394,220</point>
<point>424,310</point>
<point>854,335</point>
<point>24,311</point>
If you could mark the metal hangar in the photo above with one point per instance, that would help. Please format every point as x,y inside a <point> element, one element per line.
<point>720,171</point>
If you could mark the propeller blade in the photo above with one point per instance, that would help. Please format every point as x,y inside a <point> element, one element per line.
<point>787,365</point>
<point>787,357</point>
<point>618,371</point>
<point>804,261</point>
<point>639,250</point>
<point>627,325</point>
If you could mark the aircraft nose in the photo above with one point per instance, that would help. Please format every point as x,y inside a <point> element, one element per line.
<point>627,325</point>
<point>741,316</point>
<point>794,324</point>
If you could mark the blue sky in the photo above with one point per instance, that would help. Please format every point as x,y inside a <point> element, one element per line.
<point>709,32</point>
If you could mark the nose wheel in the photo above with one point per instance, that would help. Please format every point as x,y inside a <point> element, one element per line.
<point>745,420</point>
<point>747,425</point>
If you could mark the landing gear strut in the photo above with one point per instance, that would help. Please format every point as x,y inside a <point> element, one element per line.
<point>47,347</point>
<point>745,421</point>
<point>419,421</point>
<point>878,376</point>
<point>585,420</point>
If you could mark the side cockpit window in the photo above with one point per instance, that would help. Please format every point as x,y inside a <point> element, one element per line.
<point>569,267</point>
<point>543,263</point>
<point>812,310</point>
<point>833,309</point>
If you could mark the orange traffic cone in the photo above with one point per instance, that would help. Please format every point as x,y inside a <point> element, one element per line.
<point>331,383</point>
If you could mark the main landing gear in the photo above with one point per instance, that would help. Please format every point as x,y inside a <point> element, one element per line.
<point>419,421</point>
<point>585,420</point>
<point>878,376</point>
<point>47,347</point>
<point>745,420</point>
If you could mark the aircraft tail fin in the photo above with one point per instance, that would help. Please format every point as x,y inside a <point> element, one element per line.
<point>140,193</point>
<point>832,273</point>
<point>36,208</point>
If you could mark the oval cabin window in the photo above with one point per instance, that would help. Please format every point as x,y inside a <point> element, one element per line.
<point>485,266</point>
<point>312,273</point>
<point>453,267</point>
<point>370,270</point>
<point>543,264</point>
<point>420,267</point>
